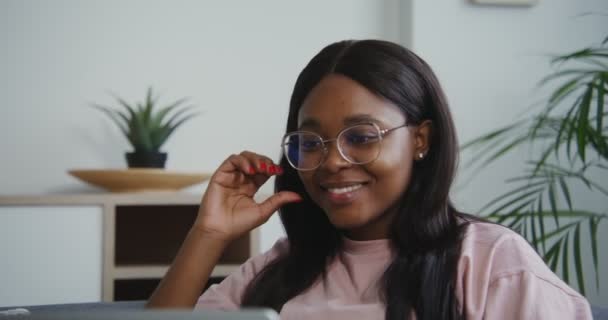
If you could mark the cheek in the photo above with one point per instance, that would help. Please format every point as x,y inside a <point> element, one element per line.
<point>393,170</point>
<point>393,176</point>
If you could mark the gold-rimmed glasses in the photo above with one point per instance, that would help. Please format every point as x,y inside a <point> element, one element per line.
<point>357,144</point>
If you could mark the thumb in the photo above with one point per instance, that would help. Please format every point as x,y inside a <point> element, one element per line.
<point>277,200</point>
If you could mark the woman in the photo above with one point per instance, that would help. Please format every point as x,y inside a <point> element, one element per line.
<point>363,193</point>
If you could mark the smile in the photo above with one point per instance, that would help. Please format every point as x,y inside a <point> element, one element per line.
<point>345,189</point>
<point>342,193</point>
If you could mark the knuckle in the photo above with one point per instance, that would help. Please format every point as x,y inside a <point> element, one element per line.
<point>275,201</point>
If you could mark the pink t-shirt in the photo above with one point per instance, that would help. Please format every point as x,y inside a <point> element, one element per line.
<point>499,277</point>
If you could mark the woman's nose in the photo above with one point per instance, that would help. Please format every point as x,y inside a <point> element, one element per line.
<point>334,161</point>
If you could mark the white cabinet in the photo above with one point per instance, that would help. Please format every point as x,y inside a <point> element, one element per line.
<point>50,254</point>
<point>97,247</point>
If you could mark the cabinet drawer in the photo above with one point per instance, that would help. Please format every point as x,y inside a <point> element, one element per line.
<point>50,254</point>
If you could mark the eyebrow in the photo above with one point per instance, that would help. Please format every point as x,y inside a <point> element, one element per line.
<point>350,120</point>
<point>361,118</point>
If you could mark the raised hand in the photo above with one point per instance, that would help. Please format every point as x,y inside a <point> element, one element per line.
<point>228,209</point>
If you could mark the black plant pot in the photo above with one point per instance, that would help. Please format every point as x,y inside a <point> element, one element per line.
<point>140,159</point>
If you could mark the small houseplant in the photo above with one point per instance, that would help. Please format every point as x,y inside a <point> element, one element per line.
<point>147,128</point>
<point>570,134</point>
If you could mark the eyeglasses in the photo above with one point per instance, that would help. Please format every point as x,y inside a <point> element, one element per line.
<point>358,144</point>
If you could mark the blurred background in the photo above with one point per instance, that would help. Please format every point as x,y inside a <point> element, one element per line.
<point>238,61</point>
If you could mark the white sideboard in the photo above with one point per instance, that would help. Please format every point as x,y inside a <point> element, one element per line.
<point>50,254</point>
<point>97,247</point>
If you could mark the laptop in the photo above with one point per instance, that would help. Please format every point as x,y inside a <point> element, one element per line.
<point>244,314</point>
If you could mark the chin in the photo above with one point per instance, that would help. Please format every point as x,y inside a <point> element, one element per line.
<point>344,220</point>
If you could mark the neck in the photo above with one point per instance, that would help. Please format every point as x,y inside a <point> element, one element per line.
<point>377,229</point>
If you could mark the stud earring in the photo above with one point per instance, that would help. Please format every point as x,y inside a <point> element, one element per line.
<point>420,155</point>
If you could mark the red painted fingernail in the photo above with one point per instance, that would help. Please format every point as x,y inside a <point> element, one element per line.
<point>263,166</point>
<point>279,170</point>
<point>251,170</point>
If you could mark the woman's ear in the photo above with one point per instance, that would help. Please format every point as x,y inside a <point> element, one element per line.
<point>422,139</point>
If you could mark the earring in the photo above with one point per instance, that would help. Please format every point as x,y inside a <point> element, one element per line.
<point>421,156</point>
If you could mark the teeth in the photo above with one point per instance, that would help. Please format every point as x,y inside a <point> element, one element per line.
<point>345,189</point>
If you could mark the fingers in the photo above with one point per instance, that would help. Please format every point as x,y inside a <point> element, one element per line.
<point>261,164</point>
<point>250,163</point>
<point>277,200</point>
<point>247,169</point>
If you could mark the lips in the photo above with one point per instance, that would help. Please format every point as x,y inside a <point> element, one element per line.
<point>342,190</point>
<point>341,193</point>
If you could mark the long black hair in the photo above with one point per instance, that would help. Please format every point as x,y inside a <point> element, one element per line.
<point>428,231</point>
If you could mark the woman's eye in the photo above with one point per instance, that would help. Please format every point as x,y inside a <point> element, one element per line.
<point>309,145</point>
<point>361,139</point>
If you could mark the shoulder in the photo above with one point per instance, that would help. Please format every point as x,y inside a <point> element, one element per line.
<point>501,276</point>
<point>492,253</point>
<point>499,248</point>
<point>485,233</point>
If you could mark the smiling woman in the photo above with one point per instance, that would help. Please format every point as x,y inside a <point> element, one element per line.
<point>355,184</point>
<point>369,156</point>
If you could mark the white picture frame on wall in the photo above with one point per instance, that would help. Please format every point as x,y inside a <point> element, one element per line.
<point>527,3</point>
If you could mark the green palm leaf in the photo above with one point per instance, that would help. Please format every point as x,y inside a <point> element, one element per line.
<point>565,260</point>
<point>583,120</point>
<point>593,222</point>
<point>578,260</point>
<point>601,93</point>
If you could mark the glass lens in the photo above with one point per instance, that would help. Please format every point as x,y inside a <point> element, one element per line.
<point>360,143</point>
<point>303,150</point>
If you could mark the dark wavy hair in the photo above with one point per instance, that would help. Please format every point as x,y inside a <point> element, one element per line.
<point>428,230</point>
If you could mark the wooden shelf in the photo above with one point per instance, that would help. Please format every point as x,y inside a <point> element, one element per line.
<point>151,198</point>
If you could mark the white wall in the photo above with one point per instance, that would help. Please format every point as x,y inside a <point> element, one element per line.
<point>489,60</point>
<point>238,61</point>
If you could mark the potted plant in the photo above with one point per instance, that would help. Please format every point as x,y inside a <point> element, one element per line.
<point>147,128</point>
<point>570,130</point>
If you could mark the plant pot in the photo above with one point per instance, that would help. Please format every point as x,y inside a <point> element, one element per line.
<point>140,159</point>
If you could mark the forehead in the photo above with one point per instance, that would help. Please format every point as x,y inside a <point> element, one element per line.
<point>337,99</point>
